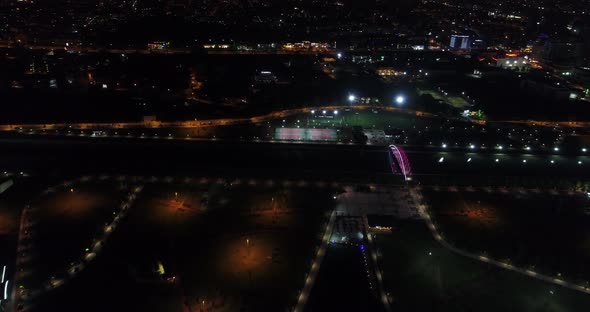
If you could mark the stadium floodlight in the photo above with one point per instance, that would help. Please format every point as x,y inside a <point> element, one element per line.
<point>400,99</point>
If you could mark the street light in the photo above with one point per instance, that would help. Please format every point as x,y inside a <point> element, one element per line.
<point>444,145</point>
<point>336,112</point>
<point>556,149</point>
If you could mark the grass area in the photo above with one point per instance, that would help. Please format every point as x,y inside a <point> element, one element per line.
<point>435,94</point>
<point>68,219</point>
<point>455,101</point>
<point>549,232</point>
<point>234,248</point>
<point>421,275</point>
<point>12,202</point>
<point>365,118</point>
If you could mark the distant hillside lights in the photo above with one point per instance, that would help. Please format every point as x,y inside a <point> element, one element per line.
<point>287,47</point>
<point>389,72</point>
<point>306,46</point>
<point>216,46</point>
<point>158,45</point>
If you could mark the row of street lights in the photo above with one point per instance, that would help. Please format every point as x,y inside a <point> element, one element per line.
<point>399,99</point>
<point>527,148</point>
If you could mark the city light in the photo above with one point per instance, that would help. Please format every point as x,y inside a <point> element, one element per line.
<point>497,160</point>
<point>441,159</point>
<point>469,160</point>
<point>339,55</point>
<point>528,148</point>
<point>584,150</point>
<point>524,160</point>
<point>500,147</point>
<point>471,146</point>
<point>336,112</point>
<point>400,99</point>
<point>556,149</point>
<point>552,161</point>
<point>444,145</point>
<point>313,111</point>
<point>351,98</point>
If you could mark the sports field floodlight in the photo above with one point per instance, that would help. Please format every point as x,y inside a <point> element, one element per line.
<point>400,99</point>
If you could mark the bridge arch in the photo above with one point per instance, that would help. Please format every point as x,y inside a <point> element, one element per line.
<point>401,162</point>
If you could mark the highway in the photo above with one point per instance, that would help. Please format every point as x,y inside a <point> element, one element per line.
<point>269,117</point>
<point>203,122</point>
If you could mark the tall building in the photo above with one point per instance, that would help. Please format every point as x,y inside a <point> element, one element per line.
<point>460,42</point>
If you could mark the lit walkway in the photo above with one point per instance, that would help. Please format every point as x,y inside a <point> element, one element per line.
<point>315,267</point>
<point>553,280</point>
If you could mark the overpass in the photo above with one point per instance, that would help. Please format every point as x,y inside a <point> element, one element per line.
<point>204,122</point>
<point>266,117</point>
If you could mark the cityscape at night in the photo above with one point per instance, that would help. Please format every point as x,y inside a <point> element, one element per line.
<point>294,155</point>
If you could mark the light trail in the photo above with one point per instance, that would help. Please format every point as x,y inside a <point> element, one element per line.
<point>6,290</point>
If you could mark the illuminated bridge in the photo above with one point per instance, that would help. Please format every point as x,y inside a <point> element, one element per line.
<point>401,164</point>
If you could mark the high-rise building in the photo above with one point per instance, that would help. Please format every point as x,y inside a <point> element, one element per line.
<point>460,42</point>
